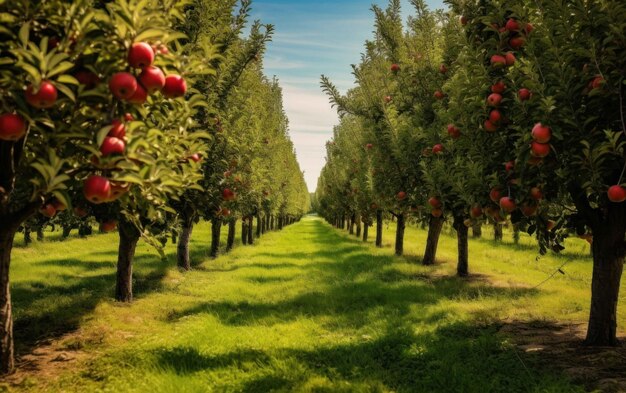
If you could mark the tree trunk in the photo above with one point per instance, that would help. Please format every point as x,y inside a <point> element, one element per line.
<point>462,247</point>
<point>434,230</point>
<point>250,230</point>
<point>265,224</point>
<point>516,234</point>
<point>182,248</point>
<point>6,318</point>
<point>129,236</point>
<point>216,231</point>
<point>230,239</point>
<point>608,262</point>
<point>244,231</point>
<point>281,222</point>
<point>366,229</point>
<point>497,232</point>
<point>27,238</point>
<point>400,234</point>
<point>358,227</point>
<point>477,231</point>
<point>379,228</point>
<point>40,235</point>
<point>258,226</point>
<point>351,225</point>
<point>67,229</point>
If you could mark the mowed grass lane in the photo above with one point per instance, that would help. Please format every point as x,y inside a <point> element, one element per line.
<point>307,309</point>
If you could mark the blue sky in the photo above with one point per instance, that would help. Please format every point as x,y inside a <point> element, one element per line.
<point>314,38</point>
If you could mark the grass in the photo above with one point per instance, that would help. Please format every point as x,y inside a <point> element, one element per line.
<point>308,309</point>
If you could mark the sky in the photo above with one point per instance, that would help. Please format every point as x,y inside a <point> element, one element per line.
<point>314,38</point>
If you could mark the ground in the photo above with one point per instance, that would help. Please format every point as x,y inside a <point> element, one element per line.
<point>308,309</point>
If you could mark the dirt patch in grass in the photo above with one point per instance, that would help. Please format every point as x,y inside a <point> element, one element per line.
<point>560,346</point>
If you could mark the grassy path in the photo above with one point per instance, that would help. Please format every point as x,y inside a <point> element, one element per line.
<point>308,309</point>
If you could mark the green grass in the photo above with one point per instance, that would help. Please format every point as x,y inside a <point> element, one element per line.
<point>307,309</point>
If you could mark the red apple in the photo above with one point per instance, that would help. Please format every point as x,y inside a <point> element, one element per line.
<point>123,85</point>
<point>495,116</point>
<point>617,194</point>
<point>463,20</point>
<point>509,166</point>
<point>436,213</point>
<point>434,202</point>
<point>529,28</point>
<point>495,194</point>
<point>43,98</point>
<point>494,99</point>
<point>140,55</point>
<point>438,148</point>
<point>175,86</point>
<point>401,196</point>
<point>118,129</point>
<point>108,226</point>
<point>228,194</point>
<point>152,79</point>
<point>369,146</point>
<point>454,132</point>
<point>524,94</point>
<point>510,59</point>
<point>128,117</point>
<point>597,82</point>
<point>48,210</point>
<point>97,189</point>
<point>550,225</point>
<point>439,95</point>
<point>139,97</point>
<point>387,99</point>
<point>529,210</point>
<point>12,127</point>
<point>194,157</point>
<point>395,67</point>
<point>536,193</point>
<point>539,149</point>
<point>507,204</point>
<point>224,212</point>
<point>541,133</point>
<point>476,211</point>
<point>498,87</point>
<point>512,25</point>
<point>498,61</point>
<point>112,145</point>
<point>489,126</point>
<point>443,69</point>
<point>517,42</point>
<point>117,190</point>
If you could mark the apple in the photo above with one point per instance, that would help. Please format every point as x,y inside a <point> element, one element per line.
<point>42,98</point>
<point>152,79</point>
<point>48,210</point>
<point>118,129</point>
<point>194,157</point>
<point>550,225</point>
<point>443,69</point>
<point>139,97</point>
<point>228,194</point>
<point>512,25</point>
<point>108,226</point>
<point>529,28</point>
<point>388,99</point>
<point>495,194</point>
<point>539,149</point>
<point>369,146</point>
<point>510,59</point>
<point>128,117</point>
<point>495,116</point>
<point>175,86</point>
<point>509,166</point>
<point>454,131</point>
<point>517,42</point>
<point>140,55</point>
<point>123,85</point>
<point>112,145</point>
<point>494,99</point>
<point>524,94</point>
<point>87,78</point>
<point>529,210</point>
<point>507,204</point>
<point>597,82</point>
<point>436,213</point>
<point>498,61</point>
<point>489,126</point>
<point>476,211</point>
<point>395,67</point>
<point>439,95</point>
<point>224,212</point>
<point>58,205</point>
<point>434,202</point>
<point>541,133</point>
<point>463,20</point>
<point>498,87</point>
<point>438,148</point>
<point>12,127</point>
<point>536,193</point>
<point>97,189</point>
<point>401,196</point>
<point>617,194</point>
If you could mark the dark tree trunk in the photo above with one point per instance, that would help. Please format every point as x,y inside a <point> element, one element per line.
<point>400,234</point>
<point>6,319</point>
<point>497,232</point>
<point>216,231</point>
<point>477,231</point>
<point>182,248</point>
<point>174,237</point>
<point>343,222</point>
<point>462,247</point>
<point>67,229</point>
<point>608,263</point>
<point>129,236</point>
<point>281,222</point>
<point>250,230</point>
<point>379,228</point>
<point>265,224</point>
<point>244,231</point>
<point>366,229</point>
<point>27,238</point>
<point>272,222</point>
<point>358,227</point>
<point>351,225</point>
<point>230,239</point>
<point>515,234</point>
<point>432,241</point>
<point>40,235</point>
<point>258,226</point>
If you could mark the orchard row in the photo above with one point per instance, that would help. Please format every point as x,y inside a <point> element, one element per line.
<point>144,117</point>
<point>493,112</point>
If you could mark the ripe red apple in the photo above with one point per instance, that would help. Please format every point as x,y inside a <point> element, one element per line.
<point>463,20</point>
<point>395,67</point>
<point>443,69</point>
<point>512,25</point>
<point>438,148</point>
<point>541,133</point>
<point>43,98</point>
<point>476,211</point>
<point>517,42</point>
<point>498,61</point>
<point>494,99</point>
<point>112,145</point>
<point>12,127</point>
<point>118,129</point>
<point>489,126</point>
<point>436,213</point>
<point>495,116</point>
<point>123,85</point>
<point>97,189</point>
<point>152,79</point>
<point>434,202</point>
<point>495,194</point>
<point>499,87</point>
<point>524,94</point>
<point>454,131</point>
<point>597,82</point>
<point>536,193</point>
<point>439,95</point>
<point>529,210</point>
<point>539,149</point>
<point>108,226</point>
<point>194,157</point>
<point>509,166</point>
<point>140,55</point>
<point>48,210</point>
<point>617,194</point>
<point>401,196</point>
<point>139,97</point>
<point>228,194</point>
<point>507,204</point>
<point>128,117</point>
<point>225,212</point>
<point>387,99</point>
<point>369,146</point>
<point>510,59</point>
<point>175,86</point>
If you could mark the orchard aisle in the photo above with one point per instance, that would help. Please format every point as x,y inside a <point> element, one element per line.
<point>307,309</point>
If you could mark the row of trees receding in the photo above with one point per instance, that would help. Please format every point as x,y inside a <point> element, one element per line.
<point>140,116</point>
<point>487,113</point>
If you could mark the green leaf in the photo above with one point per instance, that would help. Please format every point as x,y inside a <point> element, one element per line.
<point>66,90</point>
<point>61,68</point>
<point>24,34</point>
<point>149,34</point>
